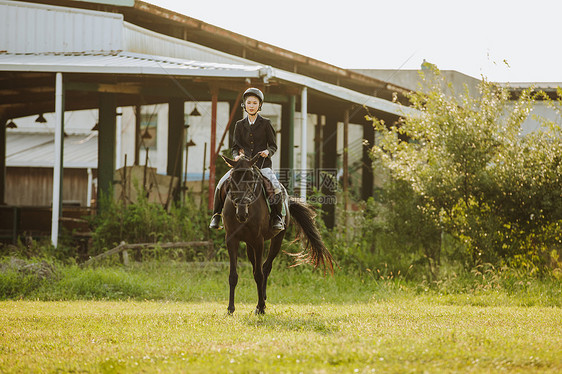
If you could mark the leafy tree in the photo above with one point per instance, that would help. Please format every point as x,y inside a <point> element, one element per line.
<point>473,175</point>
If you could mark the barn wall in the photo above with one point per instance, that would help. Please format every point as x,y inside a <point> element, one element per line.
<point>36,28</point>
<point>26,186</point>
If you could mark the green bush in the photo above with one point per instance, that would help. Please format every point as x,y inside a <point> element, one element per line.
<point>21,278</point>
<point>145,222</point>
<point>460,168</point>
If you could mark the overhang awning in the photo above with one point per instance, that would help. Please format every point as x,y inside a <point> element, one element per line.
<point>344,93</point>
<point>123,63</point>
<point>140,64</point>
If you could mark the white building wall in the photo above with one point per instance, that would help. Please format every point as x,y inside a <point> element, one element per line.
<point>36,28</point>
<point>310,134</point>
<point>540,110</point>
<point>139,40</point>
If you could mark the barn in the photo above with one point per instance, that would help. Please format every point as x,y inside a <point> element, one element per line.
<point>120,83</point>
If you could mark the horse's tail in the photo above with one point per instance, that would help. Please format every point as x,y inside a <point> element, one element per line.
<point>315,252</point>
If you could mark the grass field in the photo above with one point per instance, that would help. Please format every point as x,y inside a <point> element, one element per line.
<point>402,336</point>
<point>173,319</point>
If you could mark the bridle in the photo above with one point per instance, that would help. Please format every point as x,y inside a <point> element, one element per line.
<point>244,197</point>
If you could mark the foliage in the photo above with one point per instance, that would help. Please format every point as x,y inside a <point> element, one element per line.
<point>461,165</point>
<point>19,278</point>
<point>189,281</point>
<point>145,222</point>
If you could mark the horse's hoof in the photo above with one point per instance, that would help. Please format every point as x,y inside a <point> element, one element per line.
<point>260,312</point>
<point>230,311</point>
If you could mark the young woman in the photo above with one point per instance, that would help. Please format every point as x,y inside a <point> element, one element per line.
<point>253,135</point>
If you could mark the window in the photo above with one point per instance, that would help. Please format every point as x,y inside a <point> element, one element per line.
<point>149,125</point>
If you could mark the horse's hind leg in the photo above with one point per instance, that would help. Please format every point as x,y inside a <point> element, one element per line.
<point>258,276</point>
<point>274,247</point>
<point>232,245</point>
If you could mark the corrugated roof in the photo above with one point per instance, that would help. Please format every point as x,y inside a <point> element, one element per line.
<point>38,150</point>
<point>344,93</point>
<point>131,63</point>
<point>123,63</point>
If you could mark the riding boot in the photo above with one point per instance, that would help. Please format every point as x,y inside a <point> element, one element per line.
<point>278,223</point>
<point>217,210</point>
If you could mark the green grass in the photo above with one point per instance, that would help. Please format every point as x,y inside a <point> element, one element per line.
<point>176,281</point>
<point>407,335</point>
<point>171,317</point>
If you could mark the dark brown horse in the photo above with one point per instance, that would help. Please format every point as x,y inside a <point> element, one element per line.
<point>246,219</point>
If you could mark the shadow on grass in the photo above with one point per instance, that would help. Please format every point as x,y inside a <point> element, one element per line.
<point>310,322</point>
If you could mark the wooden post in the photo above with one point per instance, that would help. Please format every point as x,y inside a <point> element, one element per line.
<point>329,170</point>
<point>233,111</point>
<point>176,118</point>
<point>214,101</point>
<point>2,161</point>
<point>106,144</point>
<point>367,182</point>
<point>138,139</point>
<point>345,158</point>
<point>203,176</point>
<point>125,258</point>
<point>318,142</point>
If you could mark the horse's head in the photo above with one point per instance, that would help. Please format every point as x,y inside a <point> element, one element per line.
<point>244,185</point>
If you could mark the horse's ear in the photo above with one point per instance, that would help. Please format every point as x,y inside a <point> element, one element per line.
<point>254,159</point>
<point>229,162</point>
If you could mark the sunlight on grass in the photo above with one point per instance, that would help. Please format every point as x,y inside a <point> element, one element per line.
<point>392,336</point>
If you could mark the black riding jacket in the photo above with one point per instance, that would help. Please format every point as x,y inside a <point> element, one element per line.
<point>254,139</point>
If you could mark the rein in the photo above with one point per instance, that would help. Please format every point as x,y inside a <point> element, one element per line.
<point>241,194</point>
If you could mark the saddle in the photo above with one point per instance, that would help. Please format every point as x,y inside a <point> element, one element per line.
<point>266,185</point>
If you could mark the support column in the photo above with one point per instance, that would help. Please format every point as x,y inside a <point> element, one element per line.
<point>345,159</point>
<point>232,118</point>
<point>328,173</point>
<point>213,146</point>
<point>367,178</point>
<point>106,145</point>
<point>304,145</point>
<point>235,108</point>
<point>288,144</point>
<point>318,142</point>
<point>119,139</point>
<point>176,136</point>
<point>58,162</point>
<point>3,161</point>
<point>138,140</point>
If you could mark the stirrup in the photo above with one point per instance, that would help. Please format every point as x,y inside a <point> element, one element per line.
<point>216,221</point>
<point>278,223</point>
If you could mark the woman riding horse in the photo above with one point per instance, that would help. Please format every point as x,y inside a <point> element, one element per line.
<point>246,219</point>
<point>253,135</point>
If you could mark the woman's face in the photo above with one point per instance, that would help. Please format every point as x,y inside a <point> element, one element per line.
<point>252,104</point>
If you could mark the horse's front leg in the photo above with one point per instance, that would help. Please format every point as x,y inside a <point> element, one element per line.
<point>258,276</point>
<point>232,246</point>
<point>274,247</point>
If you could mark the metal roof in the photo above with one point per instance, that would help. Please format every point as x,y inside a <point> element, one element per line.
<point>123,63</point>
<point>179,26</point>
<point>38,150</point>
<point>344,93</point>
<point>38,28</point>
<point>112,46</point>
<point>140,40</point>
<point>133,63</point>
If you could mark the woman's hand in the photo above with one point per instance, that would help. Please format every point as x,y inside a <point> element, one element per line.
<point>264,153</point>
